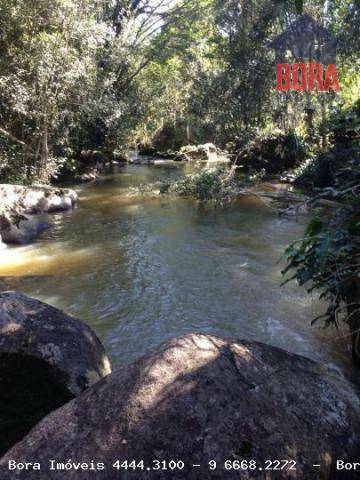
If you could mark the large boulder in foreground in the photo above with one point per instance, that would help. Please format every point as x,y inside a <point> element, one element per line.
<point>46,358</point>
<point>196,399</point>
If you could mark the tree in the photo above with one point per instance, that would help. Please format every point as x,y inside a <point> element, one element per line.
<point>47,65</point>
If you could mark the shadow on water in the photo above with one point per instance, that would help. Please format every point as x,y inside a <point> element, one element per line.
<point>141,269</point>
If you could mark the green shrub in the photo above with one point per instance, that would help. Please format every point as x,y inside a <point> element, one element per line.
<point>215,184</point>
<point>315,173</point>
<point>341,161</point>
<point>327,259</point>
<point>274,153</point>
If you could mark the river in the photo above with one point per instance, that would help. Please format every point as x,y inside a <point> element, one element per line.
<point>140,270</point>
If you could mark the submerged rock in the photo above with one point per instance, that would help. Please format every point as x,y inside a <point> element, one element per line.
<point>200,398</point>
<point>87,177</point>
<point>46,358</point>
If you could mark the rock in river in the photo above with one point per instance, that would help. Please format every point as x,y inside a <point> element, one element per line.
<point>200,398</point>
<point>20,228</point>
<point>36,199</point>
<point>18,204</point>
<point>46,358</point>
<point>203,153</point>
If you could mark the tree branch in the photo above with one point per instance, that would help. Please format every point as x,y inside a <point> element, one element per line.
<point>12,138</point>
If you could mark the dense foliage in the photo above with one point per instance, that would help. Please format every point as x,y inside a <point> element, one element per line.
<point>83,76</point>
<point>274,153</point>
<point>328,257</point>
<point>218,185</point>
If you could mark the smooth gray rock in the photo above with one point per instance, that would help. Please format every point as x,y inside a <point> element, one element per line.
<point>36,199</point>
<point>46,358</point>
<point>200,398</point>
<point>18,204</point>
<point>20,228</point>
<point>2,244</point>
<point>87,177</point>
<point>207,152</point>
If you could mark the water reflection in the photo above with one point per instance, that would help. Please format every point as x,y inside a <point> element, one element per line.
<point>141,269</point>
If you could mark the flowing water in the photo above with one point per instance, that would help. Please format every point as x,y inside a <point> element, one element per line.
<point>142,269</point>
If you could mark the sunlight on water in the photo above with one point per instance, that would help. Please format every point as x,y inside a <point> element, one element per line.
<point>54,259</point>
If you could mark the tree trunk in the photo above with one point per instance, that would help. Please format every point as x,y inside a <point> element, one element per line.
<point>323,123</point>
<point>44,154</point>
<point>188,134</point>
